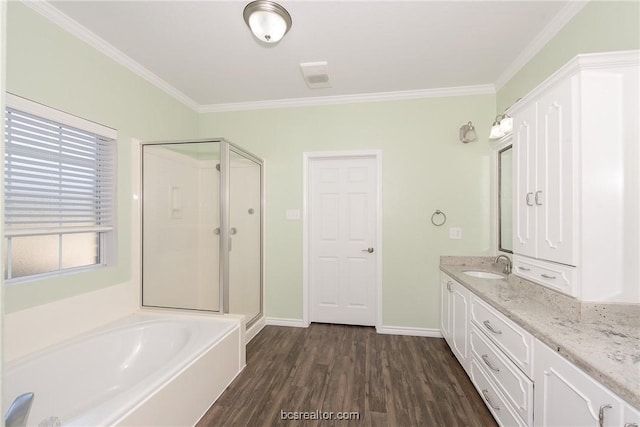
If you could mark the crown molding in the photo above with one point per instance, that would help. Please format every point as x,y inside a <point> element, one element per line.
<point>582,62</point>
<point>554,26</point>
<point>350,99</point>
<point>45,9</point>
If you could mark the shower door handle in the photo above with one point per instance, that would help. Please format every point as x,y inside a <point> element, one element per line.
<point>232,232</point>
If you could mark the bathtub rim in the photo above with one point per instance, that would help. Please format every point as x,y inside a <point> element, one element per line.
<point>145,391</point>
<point>118,323</point>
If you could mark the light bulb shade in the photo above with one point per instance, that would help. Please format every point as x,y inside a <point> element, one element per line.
<point>496,131</point>
<point>268,21</point>
<point>506,124</point>
<point>468,133</point>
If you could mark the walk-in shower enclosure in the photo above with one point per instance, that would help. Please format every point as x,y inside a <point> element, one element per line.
<point>202,227</point>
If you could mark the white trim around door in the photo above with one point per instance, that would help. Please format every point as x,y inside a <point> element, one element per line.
<point>307,158</point>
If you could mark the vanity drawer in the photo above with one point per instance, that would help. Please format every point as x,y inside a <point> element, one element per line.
<point>502,412</point>
<point>514,385</point>
<point>559,277</point>
<point>514,341</point>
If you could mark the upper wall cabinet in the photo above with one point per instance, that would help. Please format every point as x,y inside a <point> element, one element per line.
<point>576,181</point>
<point>544,180</point>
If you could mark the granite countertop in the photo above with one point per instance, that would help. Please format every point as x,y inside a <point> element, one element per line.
<point>601,339</point>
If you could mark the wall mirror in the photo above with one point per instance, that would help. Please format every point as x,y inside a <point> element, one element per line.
<point>505,196</point>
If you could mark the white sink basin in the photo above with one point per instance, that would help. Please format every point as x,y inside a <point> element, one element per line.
<point>483,274</point>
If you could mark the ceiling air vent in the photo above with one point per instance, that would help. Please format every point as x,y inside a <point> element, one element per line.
<point>316,74</point>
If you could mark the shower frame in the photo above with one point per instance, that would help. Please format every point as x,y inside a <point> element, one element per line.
<point>226,147</point>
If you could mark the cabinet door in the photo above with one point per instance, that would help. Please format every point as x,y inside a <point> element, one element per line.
<point>631,417</point>
<point>564,396</point>
<point>460,324</point>
<point>445,307</point>
<point>554,194</point>
<point>524,181</point>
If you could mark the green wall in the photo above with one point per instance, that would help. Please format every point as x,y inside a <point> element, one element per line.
<point>48,65</point>
<point>600,27</point>
<point>425,168</point>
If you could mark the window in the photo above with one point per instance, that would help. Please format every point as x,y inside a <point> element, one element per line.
<point>58,190</point>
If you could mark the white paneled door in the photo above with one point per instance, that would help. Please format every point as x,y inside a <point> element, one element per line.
<point>342,240</point>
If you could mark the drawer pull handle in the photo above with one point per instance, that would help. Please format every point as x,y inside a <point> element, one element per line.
<point>546,276</point>
<point>449,286</point>
<point>601,414</point>
<point>630,425</point>
<point>528,200</point>
<point>537,198</point>
<point>485,393</point>
<point>524,268</point>
<point>487,362</point>
<point>491,328</point>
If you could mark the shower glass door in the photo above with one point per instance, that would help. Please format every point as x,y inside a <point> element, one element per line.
<point>202,220</point>
<point>245,234</point>
<point>180,225</point>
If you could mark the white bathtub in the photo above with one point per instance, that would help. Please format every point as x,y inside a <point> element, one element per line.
<point>146,369</point>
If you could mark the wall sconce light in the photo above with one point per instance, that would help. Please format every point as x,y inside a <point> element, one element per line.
<point>502,125</point>
<point>268,21</point>
<point>468,133</point>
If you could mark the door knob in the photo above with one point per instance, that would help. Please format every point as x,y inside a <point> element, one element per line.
<point>370,250</point>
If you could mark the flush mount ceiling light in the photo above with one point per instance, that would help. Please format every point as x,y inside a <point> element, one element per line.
<point>468,133</point>
<point>268,21</point>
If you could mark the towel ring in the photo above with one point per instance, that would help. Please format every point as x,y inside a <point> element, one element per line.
<point>433,218</point>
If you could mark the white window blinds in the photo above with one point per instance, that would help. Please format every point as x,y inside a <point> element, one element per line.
<point>58,179</point>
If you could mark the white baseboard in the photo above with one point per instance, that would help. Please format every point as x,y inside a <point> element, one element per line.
<point>254,329</point>
<point>390,330</point>
<point>403,330</point>
<point>293,323</point>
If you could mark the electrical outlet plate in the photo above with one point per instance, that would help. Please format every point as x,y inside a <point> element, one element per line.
<point>455,233</point>
<point>293,214</point>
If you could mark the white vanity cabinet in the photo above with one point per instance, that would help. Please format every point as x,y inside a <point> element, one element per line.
<point>523,381</point>
<point>572,200</point>
<point>631,416</point>
<point>454,318</point>
<point>501,364</point>
<point>565,396</point>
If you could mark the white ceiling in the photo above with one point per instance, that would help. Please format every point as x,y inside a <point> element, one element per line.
<point>203,53</point>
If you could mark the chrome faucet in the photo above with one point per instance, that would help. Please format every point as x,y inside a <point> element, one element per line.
<point>18,412</point>
<point>507,266</point>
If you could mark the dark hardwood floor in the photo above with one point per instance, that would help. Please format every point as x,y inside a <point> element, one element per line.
<point>389,380</point>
